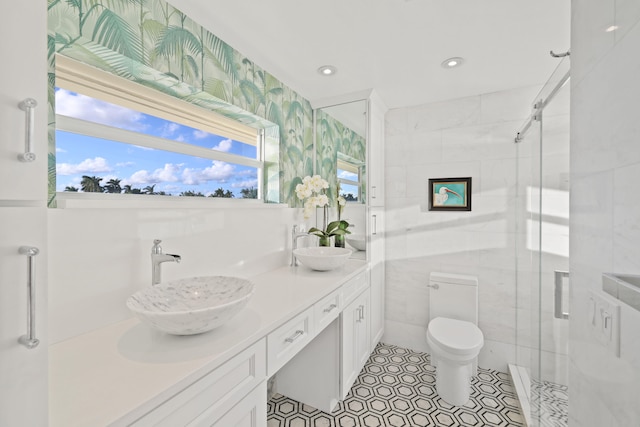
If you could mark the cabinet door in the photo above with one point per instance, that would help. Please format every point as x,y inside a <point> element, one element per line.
<point>23,43</point>
<point>376,254</point>
<point>375,153</point>
<point>23,371</point>
<point>363,331</point>
<point>249,412</point>
<point>355,340</point>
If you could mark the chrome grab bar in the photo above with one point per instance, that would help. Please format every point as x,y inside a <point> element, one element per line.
<point>558,312</point>
<point>28,105</point>
<point>29,340</point>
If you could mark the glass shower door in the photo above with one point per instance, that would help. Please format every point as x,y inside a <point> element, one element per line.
<point>543,253</point>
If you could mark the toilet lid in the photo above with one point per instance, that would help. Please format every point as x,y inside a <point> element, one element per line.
<point>455,336</point>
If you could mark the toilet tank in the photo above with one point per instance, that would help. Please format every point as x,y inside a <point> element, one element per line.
<point>454,296</point>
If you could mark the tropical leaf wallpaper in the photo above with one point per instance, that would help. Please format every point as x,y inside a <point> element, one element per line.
<point>333,137</point>
<point>153,43</point>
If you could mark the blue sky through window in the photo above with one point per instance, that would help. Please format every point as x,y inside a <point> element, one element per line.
<point>140,167</point>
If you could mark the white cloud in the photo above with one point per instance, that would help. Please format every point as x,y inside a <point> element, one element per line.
<point>169,129</point>
<point>246,184</point>
<point>200,134</point>
<point>95,165</point>
<point>167,174</point>
<point>124,164</point>
<point>94,110</point>
<point>348,175</point>
<point>218,171</point>
<point>60,150</point>
<point>141,148</point>
<point>224,145</point>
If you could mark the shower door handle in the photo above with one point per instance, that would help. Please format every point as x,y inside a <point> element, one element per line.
<point>558,312</point>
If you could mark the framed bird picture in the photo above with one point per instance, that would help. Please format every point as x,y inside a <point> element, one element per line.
<point>450,194</point>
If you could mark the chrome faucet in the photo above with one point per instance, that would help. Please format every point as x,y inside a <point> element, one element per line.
<point>295,234</point>
<point>157,258</point>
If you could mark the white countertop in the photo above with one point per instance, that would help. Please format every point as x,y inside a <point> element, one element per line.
<point>114,373</point>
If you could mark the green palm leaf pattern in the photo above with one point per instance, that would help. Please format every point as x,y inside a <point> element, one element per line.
<point>114,33</point>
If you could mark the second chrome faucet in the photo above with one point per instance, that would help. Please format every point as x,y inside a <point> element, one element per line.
<point>157,258</point>
<point>295,234</point>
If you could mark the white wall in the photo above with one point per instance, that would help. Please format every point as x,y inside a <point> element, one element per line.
<point>605,204</point>
<point>98,257</point>
<point>464,137</point>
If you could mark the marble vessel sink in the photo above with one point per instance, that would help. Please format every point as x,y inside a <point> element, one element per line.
<point>192,305</point>
<point>357,242</point>
<point>322,258</point>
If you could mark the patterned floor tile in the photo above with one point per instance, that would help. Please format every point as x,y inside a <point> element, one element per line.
<point>550,403</point>
<point>396,388</point>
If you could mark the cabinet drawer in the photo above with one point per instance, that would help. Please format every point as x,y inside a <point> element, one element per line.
<point>289,339</point>
<point>354,286</point>
<point>250,412</point>
<point>215,393</point>
<point>327,309</point>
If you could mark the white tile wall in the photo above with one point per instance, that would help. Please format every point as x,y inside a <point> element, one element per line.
<point>605,205</point>
<point>463,137</point>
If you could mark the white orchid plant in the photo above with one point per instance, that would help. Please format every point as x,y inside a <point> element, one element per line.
<point>313,192</point>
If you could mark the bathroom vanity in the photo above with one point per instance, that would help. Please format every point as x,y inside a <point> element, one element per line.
<point>128,374</point>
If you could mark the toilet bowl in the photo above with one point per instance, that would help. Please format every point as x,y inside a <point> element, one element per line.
<point>454,346</point>
<point>453,336</point>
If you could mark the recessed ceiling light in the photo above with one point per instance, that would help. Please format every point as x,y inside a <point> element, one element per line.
<point>456,61</point>
<point>611,28</point>
<point>327,70</point>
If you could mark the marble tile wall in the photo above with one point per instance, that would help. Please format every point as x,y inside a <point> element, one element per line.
<point>605,219</point>
<point>464,137</point>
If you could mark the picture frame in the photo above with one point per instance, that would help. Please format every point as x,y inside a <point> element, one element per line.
<point>450,194</point>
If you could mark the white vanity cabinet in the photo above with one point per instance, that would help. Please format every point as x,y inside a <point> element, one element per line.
<point>300,325</point>
<point>375,217</point>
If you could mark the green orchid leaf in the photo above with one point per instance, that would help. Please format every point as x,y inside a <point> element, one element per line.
<point>317,232</point>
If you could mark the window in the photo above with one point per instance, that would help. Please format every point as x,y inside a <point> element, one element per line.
<point>117,136</point>
<point>349,172</point>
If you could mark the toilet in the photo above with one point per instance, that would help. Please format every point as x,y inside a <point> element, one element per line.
<point>453,336</point>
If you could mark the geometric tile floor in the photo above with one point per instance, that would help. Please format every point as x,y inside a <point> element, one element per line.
<point>397,388</point>
<point>550,401</point>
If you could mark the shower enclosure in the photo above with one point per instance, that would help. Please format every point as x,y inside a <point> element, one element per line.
<point>542,249</point>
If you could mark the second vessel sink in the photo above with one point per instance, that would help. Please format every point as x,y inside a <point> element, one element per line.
<point>192,305</point>
<point>322,258</point>
<point>357,242</point>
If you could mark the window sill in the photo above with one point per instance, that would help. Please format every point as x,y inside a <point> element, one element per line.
<point>69,200</point>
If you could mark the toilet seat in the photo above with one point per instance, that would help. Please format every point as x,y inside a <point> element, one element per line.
<point>454,336</point>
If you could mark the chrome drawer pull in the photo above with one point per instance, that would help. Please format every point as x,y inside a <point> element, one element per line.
<point>29,340</point>
<point>331,307</point>
<point>295,336</point>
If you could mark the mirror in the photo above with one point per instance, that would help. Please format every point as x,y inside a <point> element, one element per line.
<point>341,152</point>
<point>341,148</point>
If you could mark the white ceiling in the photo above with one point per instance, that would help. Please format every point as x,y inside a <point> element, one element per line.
<point>393,46</point>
